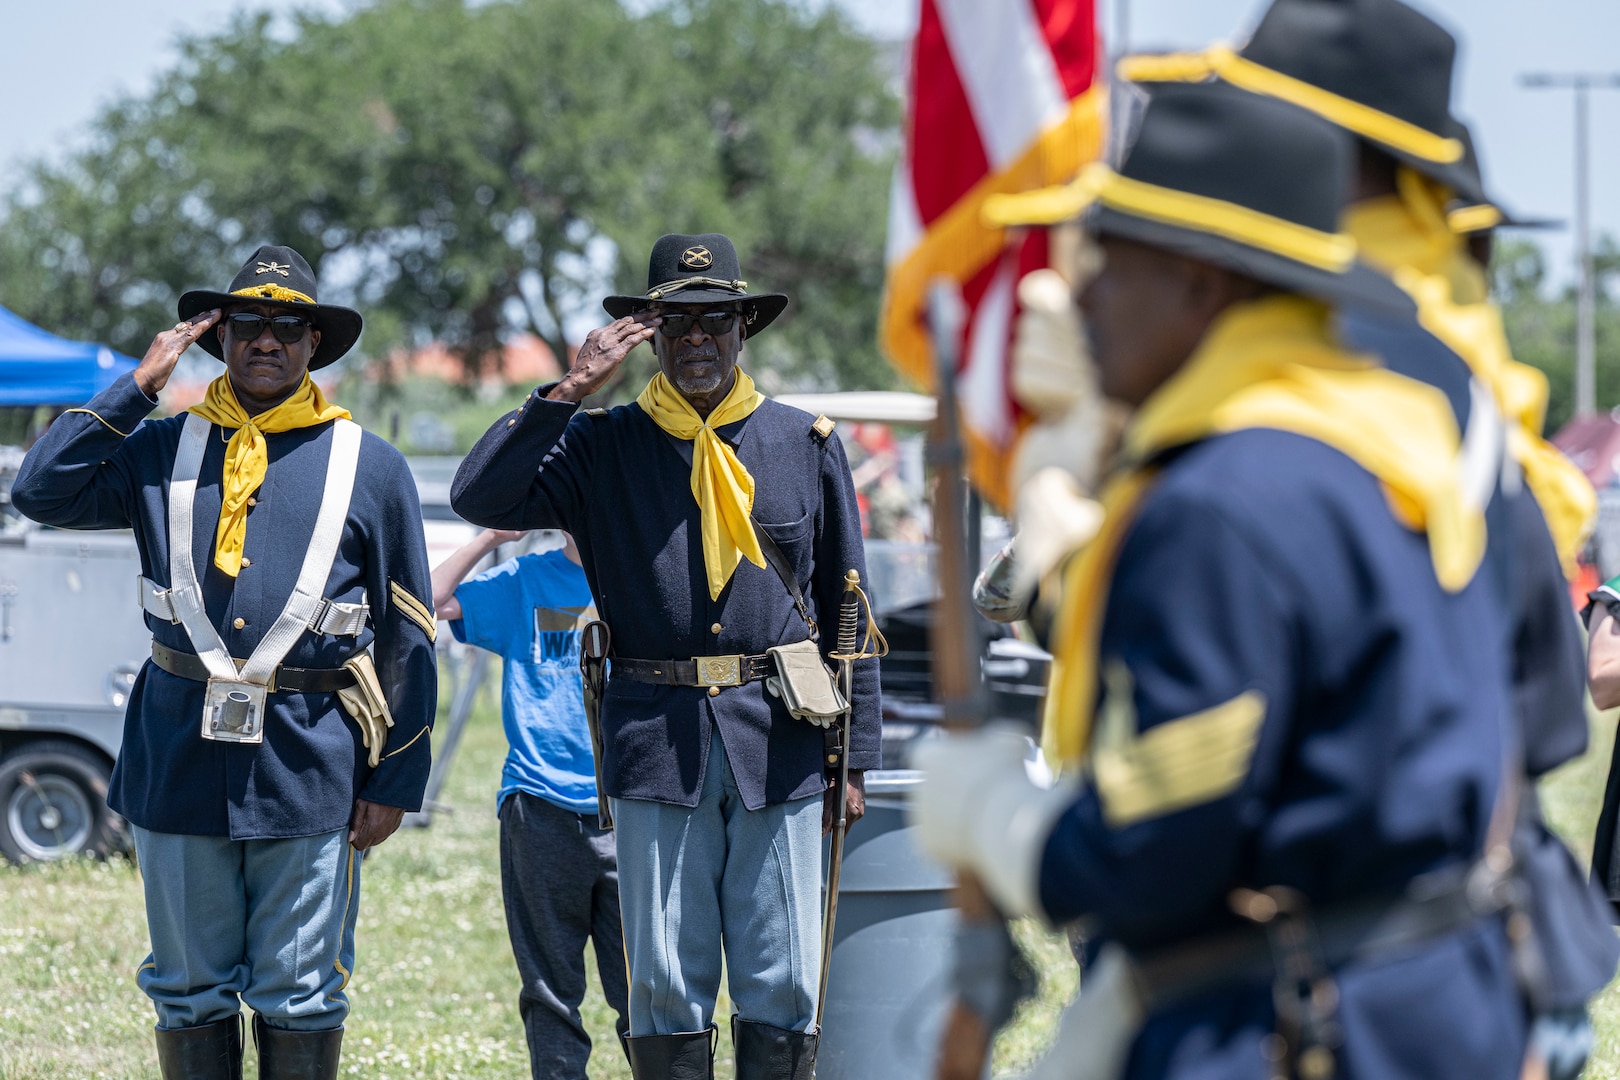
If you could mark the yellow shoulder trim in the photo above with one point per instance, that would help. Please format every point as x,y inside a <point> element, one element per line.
<point>407,746</point>
<point>824,426</point>
<point>98,416</point>
<point>413,609</point>
<point>1175,765</point>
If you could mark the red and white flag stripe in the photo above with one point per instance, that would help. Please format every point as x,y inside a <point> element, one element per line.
<point>1003,98</point>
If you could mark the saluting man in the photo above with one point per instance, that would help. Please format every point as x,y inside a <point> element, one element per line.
<point>718,792</point>
<point>281,728</point>
<point>1285,758</point>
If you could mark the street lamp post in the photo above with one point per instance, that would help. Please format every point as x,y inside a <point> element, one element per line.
<point>1585,331</point>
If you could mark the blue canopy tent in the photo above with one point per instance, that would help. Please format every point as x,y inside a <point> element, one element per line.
<point>39,368</point>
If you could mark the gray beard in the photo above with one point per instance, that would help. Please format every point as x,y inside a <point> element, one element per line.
<point>692,387</point>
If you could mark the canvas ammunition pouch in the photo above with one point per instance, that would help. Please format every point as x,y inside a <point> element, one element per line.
<point>802,680</point>
<point>235,702</point>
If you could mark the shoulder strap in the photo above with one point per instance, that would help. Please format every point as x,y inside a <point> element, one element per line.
<point>773,555</point>
<point>185,592</point>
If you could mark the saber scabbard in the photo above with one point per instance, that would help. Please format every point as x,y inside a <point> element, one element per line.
<point>595,641</point>
<point>850,648</point>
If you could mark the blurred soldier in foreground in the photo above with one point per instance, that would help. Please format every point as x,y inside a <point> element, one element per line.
<point>559,877</point>
<point>714,524</point>
<point>1383,73</point>
<point>1285,767</point>
<point>270,527</point>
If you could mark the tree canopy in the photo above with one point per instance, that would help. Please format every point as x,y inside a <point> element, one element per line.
<point>460,171</point>
<point>1541,328</point>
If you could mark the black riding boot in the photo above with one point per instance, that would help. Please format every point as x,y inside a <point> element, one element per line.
<point>296,1055</point>
<point>208,1052</point>
<point>688,1055</point>
<point>772,1053</point>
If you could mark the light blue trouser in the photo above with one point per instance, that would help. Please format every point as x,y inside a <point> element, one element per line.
<point>269,923</point>
<point>690,879</point>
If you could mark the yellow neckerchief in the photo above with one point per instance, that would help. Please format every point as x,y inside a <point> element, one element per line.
<point>721,484</point>
<point>1407,235</point>
<point>1267,364</point>
<point>247,457</point>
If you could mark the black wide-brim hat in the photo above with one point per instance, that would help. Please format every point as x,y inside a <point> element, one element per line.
<point>1377,68</point>
<point>280,276</point>
<point>1245,182</point>
<point>1470,215</point>
<point>700,269</point>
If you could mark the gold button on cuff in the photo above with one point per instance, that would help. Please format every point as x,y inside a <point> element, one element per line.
<point>239,623</point>
<point>714,691</point>
<point>715,629</point>
<point>252,501</point>
<point>247,562</point>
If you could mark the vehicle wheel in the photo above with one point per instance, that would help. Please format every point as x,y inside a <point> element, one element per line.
<point>53,803</point>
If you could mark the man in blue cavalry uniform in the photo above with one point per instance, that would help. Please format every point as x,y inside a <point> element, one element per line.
<point>714,524</point>
<point>1383,73</point>
<point>1284,761</point>
<point>281,728</point>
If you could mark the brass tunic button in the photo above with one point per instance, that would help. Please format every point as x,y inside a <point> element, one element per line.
<point>252,501</point>
<point>715,629</point>
<point>247,562</point>
<point>239,623</point>
<point>714,691</point>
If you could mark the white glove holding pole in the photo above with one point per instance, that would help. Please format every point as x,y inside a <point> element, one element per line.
<point>979,810</point>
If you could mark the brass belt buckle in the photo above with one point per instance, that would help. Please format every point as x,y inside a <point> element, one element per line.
<point>719,670</point>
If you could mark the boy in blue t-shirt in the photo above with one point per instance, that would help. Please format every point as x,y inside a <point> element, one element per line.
<point>559,874</point>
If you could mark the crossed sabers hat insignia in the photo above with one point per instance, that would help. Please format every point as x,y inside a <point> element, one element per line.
<point>271,268</point>
<point>696,258</point>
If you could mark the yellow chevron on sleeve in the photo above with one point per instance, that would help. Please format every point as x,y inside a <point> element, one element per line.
<point>413,609</point>
<point>1175,765</point>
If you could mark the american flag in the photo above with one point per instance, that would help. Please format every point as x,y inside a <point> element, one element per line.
<point>1004,97</point>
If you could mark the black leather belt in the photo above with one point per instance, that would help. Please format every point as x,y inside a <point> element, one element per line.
<point>283,680</point>
<point>1442,903</point>
<point>732,670</point>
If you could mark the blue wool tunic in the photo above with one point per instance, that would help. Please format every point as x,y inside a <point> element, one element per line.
<point>619,484</point>
<point>1266,561</point>
<point>104,468</point>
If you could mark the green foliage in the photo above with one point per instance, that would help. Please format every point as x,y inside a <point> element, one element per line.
<point>459,171</point>
<point>1541,329</point>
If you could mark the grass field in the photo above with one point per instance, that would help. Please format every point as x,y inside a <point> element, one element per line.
<point>435,988</point>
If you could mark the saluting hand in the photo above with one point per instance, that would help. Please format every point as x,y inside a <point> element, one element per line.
<point>604,350</point>
<point>152,373</point>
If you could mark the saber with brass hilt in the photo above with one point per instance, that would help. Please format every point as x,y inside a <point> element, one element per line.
<point>850,647</point>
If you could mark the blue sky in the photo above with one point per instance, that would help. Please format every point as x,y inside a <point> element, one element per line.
<point>68,58</point>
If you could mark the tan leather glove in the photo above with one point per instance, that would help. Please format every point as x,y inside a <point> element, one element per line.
<point>365,702</point>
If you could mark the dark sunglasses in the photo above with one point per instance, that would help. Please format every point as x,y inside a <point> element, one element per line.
<point>246,326</point>
<point>714,323</point>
